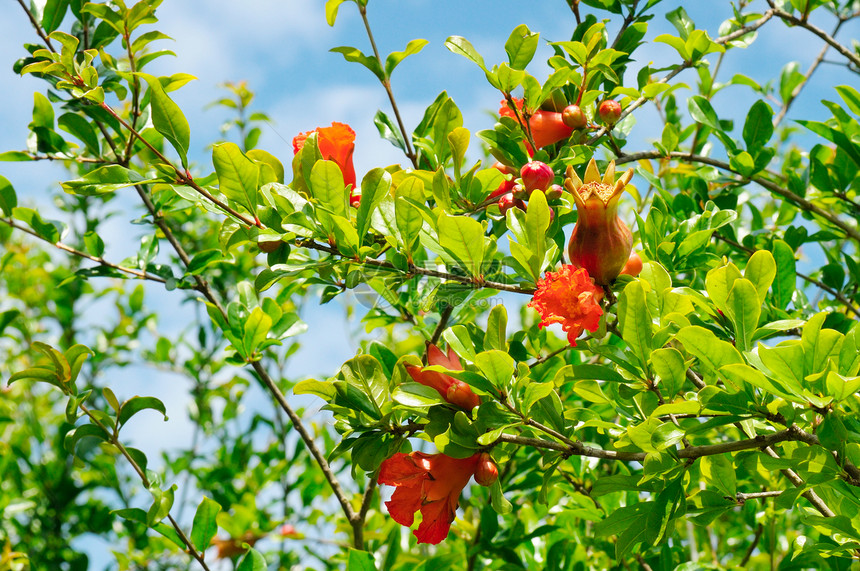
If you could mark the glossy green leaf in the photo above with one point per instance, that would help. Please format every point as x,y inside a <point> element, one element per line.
<point>462,46</point>
<point>497,366</point>
<point>326,182</point>
<point>521,46</point>
<point>104,179</point>
<point>48,230</point>
<point>8,198</point>
<point>786,274</point>
<point>669,365</point>
<point>167,118</point>
<point>744,309</point>
<point>239,177</point>
<point>463,237</point>
<point>758,127</point>
<point>408,217</point>
<point>204,526</point>
<point>704,345</point>
<point>719,472</point>
<point>136,404</point>
<point>394,58</point>
<point>360,561</point>
<point>252,561</point>
<point>355,55</point>
<point>635,319</point>
<point>702,112</point>
<point>374,188</point>
<point>495,336</point>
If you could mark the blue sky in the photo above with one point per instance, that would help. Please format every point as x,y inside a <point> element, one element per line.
<point>281,48</point>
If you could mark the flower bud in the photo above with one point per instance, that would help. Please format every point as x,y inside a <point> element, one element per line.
<point>555,191</point>
<point>573,117</point>
<point>633,267</point>
<point>609,112</point>
<point>487,472</point>
<point>520,192</point>
<point>536,176</point>
<point>506,187</point>
<point>460,394</point>
<point>506,202</point>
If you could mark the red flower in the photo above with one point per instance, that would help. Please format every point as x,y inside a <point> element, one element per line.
<point>431,483</point>
<point>336,143</point>
<point>569,297</point>
<point>452,390</point>
<point>547,127</point>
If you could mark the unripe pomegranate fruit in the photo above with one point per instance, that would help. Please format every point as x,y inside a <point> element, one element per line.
<point>536,176</point>
<point>487,472</point>
<point>609,112</point>
<point>573,117</point>
<point>506,202</point>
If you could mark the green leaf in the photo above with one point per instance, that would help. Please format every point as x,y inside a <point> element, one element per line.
<point>76,125</point>
<point>635,319</point>
<point>704,345</point>
<point>760,270</point>
<point>374,188</point>
<point>74,436</point>
<point>8,198</point>
<point>252,561</point>
<point>408,217</point>
<point>495,337</point>
<point>331,7</point>
<point>758,127</point>
<point>744,309</point>
<point>786,363</point>
<point>669,365</point>
<point>462,46</point>
<point>839,387</point>
<point>702,112</point>
<point>498,500</point>
<point>360,561</point>
<point>136,404</point>
<point>463,237</point>
<point>202,260</point>
<point>719,472</point>
<point>239,177</point>
<point>741,373</point>
<point>786,274</point>
<point>497,366</point>
<point>682,21</point>
<point>355,55</point>
<point>167,118</point>
<point>205,527</point>
<point>394,58</point>
<point>48,230</point>
<point>104,179</point>
<point>53,14</point>
<point>256,329</point>
<point>328,188</point>
<point>850,96</point>
<point>521,46</point>
<point>458,139</point>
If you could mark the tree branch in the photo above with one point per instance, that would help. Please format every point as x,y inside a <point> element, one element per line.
<point>769,185</point>
<point>97,259</point>
<point>853,58</point>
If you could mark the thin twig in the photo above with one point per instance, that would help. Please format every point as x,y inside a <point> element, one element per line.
<point>413,269</point>
<point>386,83</point>
<point>769,185</point>
<point>37,26</point>
<point>853,58</point>
<point>97,259</point>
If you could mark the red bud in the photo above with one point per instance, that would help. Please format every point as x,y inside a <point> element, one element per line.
<point>609,112</point>
<point>573,117</point>
<point>487,472</point>
<point>536,175</point>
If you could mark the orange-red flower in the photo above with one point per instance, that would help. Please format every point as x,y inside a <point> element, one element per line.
<point>546,127</point>
<point>336,143</point>
<point>452,390</point>
<point>431,483</point>
<point>569,297</point>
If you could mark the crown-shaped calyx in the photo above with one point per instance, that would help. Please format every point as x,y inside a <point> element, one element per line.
<point>606,188</point>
